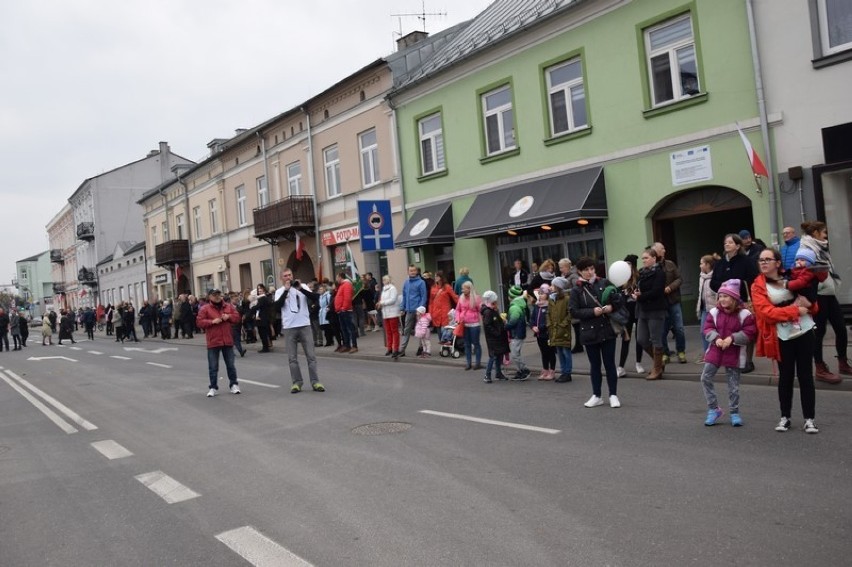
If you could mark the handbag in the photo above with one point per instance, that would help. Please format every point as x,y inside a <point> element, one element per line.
<point>459,330</point>
<point>619,317</point>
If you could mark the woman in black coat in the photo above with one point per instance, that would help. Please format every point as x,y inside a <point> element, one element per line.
<point>264,317</point>
<point>651,309</point>
<point>66,327</point>
<point>734,265</point>
<point>588,306</point>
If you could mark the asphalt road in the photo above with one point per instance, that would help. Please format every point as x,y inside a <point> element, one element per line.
<point>271,478</point>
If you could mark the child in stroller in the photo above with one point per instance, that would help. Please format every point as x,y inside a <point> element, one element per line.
<point>451,344</point>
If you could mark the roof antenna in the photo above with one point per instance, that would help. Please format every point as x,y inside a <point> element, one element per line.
<point>421,15</point>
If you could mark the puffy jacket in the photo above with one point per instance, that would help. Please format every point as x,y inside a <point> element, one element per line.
<point>559,321</point>
<point>467,310</point>
<point>414,294</point>
<point>594,329</point>
<point>343,297</point>
<point>720,324</point>
<point>495,332</point>
<point>516,322</point>
<point>218,335</point>
<point>390,301</point>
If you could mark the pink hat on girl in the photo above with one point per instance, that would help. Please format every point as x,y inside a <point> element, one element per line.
<point>731,288</point>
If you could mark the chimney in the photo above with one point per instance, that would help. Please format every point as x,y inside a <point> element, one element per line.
<point>165,161</point>
<point>410,39</point>
<point>240,131</point>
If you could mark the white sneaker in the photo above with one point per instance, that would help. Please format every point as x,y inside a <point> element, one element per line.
<point>235,389</point>
<point>620,372</point>
<point>639,368</point>
<point>614,402</point>
<point>212,392</point>
<point>810,426</point>
<point>594,402</point>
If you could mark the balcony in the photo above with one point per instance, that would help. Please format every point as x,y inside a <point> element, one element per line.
<point>171,253</point>
<point>56,256</point>
<point>86,231</point>
<point>86,276</point>
<point>58,288</point>
<point>284,217</point>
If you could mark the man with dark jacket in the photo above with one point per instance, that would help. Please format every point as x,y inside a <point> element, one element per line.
<point>145,318</point>
<point>674,316</point>
<point>216,318</point>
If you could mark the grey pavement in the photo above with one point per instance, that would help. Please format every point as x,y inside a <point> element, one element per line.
<point>371,346</point>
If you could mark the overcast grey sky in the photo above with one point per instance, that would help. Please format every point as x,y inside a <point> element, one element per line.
<point>89,85</point>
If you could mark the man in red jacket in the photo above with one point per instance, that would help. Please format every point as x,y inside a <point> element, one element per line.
<point>343,308</point>
<point>216,318</point>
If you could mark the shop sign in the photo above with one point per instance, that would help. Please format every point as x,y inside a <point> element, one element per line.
<point>161,278</point>
<point>332,237</point>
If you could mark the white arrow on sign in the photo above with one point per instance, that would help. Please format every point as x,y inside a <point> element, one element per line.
<point>152,351</point>
<point>51,358</point>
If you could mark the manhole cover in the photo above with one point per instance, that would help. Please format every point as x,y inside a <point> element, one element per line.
<point>381,428</point>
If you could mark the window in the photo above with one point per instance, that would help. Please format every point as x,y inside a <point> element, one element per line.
<point>214,216</point>
<point>835,25</point>
<point>332,171</point>
<point>241,205</point>
<point>567,97</point>
<point>179,226</point>
<point>369,157</point>
<point>262,192</point>
<point>166,231</point>
<point>672,66</point>
<point>196,221</point>
<point>499,120</point>
<point>154,235</point>
<point>294,178</point>
<point>431,144</point>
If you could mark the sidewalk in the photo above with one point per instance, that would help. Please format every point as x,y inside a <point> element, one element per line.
<point>371,347</point>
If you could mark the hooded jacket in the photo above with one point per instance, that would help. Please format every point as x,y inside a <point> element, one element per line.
<point>740,325</point>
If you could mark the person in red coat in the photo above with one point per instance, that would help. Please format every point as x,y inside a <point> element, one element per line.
<point>216,318</point>
<point>442,298</point>
<point>343,308</point>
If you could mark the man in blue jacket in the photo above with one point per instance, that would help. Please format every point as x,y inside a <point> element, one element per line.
<point>413,296</point>
<point>790,247</point>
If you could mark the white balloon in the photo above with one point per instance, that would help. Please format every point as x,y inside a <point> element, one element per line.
<point>619,273</point>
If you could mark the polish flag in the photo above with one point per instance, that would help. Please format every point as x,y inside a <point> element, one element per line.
<point>300,246</point>
<point>756,165</point>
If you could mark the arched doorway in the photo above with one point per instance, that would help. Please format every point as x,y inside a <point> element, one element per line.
<point>303,270</point>
<point>693,223</point>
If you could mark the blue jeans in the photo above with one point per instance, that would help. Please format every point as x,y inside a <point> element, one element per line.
<point>347,329</point>
<point>213,365</point>
<point>496,361</point>
<point>566,359</point>
<point>674,321</point>
<point>602,353</point>
<point>471,343</point>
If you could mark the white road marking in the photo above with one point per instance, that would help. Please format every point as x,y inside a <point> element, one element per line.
<point>166,487</point>
<point>51,415</point>
<point>259,550</point>
<point>111,450</point>
<point>160,350</point>
<point>73,416</point>
<point>492,422</point>
<point>158,364</point>
<point>51,358</point>
<point>94,352</point>
<point>120,357</point>
<point>259,383</point>
<point>75,348</point>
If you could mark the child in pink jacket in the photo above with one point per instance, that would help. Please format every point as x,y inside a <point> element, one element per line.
<point>422,330</point>
<point>728,328</point>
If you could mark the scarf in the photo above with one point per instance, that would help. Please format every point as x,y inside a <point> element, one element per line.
<point>820,249</point>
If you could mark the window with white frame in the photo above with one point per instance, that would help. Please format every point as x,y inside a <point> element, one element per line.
<point>369,145</point>
<point>431,144</point>
<point>566,97</point>
<point>241,205</point>
<point>166,231</point>
<point>214,216</point>
<point>835,23</point>
<point>331,158</point>
<point>196,221</point>
<point>499,120</point>
<point>154,235</point>
<point>179,226</point>
<point>672,64</point>
<point>262,192</point>
<point>294,178</point>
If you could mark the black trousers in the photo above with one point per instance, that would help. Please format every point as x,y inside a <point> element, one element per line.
<point>797,360</point>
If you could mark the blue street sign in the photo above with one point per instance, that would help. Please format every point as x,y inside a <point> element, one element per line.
<point>374,220</point>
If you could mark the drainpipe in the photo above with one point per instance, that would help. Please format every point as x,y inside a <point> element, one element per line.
<point>189,276</point>
<point>317,236</point>
<point>398,158</point>
<point>764,125</point>
<point>268,189</point>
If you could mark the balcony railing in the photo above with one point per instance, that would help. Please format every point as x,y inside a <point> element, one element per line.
<point>56,256</point>
<point>86,276</point>
<point>284,216</point>
<point>86,231</point>
<point>58,288</point>
<point>171,253</point>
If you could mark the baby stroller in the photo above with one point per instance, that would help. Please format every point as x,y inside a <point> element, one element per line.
<point>451,344</point>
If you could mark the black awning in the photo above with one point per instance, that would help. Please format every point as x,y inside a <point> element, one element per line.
<point>428,225</point>
<point>544,201</point>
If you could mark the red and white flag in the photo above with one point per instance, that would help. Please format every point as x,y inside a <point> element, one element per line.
<point>300,246</point>
<point>756,164</point>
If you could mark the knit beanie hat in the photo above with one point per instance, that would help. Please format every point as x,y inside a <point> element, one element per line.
<point>421,310</point>
<point>731,288</point>
<point>807,255</point>
<point>560,283</point>
<point>515,291</point>
<point>489,297</point>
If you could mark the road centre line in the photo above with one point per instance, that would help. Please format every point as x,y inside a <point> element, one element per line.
<point>94,352</point>
<point>252,382</point>
<point>158,364</point>
<point>72,415</point>
<point>74,348</point>
<point>166,487</point>
<point>259,550</point>
<point>120,357</point>
<point>51,415</point>
<point>111,450</point>
<point>493,422</point>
